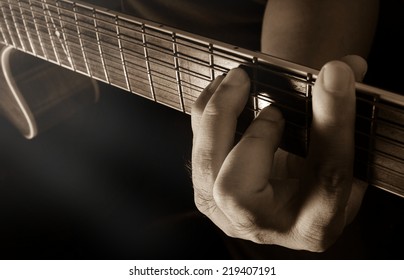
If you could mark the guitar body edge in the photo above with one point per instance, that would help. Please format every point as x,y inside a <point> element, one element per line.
<point>12,103</point>
<point>36,95</point>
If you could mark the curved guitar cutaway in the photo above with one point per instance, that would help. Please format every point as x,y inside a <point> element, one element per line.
<point>172,67</point>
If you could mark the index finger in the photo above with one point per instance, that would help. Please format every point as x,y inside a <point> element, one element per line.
<point>214,137</point>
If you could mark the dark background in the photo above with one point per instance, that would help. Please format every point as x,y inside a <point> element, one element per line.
<point>112,183</point>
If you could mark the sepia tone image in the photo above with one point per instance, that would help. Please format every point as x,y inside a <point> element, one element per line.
<point>190,129</point>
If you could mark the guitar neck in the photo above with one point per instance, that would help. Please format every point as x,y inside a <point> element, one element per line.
<point>172,67</point>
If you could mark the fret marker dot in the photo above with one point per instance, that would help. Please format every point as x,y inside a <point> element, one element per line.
<point>57,33</point>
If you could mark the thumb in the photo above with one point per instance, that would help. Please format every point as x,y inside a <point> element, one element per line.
<point>357,64</point>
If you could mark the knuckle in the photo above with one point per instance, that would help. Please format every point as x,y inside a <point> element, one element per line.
<point>204,202</point>
<point>235,230</point>
<point>318,238</point>
<point>262,128</point>
<point>258,237</point>
<point>333,178</point>
<point>197,108</point>
<point>217,106</point>
<point>227,198</point>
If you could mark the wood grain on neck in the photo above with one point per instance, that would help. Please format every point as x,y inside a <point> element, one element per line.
<point>172,67</point>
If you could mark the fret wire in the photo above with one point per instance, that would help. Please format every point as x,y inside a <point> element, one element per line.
<point>372,131</point>
<point>254,89</point>
<point>148,35</point>
<point>43,31</point>
<point>85,27</point>
<point>84,15</point>
<point>163,63</point>
<point>139,32</point>
<point>169,53</point>
<point>59,35</point>
<point>13,42</point>
<point>118,34</point>
<point>30,40</point>
<point>37,30</point>
<point>50,33</point>
<point>225,58</point>
<point>177,73</point>
<point>160,50</point>
<point>40,33</point>
<point>2,31</point>
<point>35,53</point>
<point>166,65</point>
<point>65,41</point>
<point>309,83</point>
<point>146,55</point>
<point>2,40</point>
<point>17,29</point>
<point>152,35</point>
<point>80,40</point>
<point>37,48</point>
<point>205,49</point>
<point>211,62</point>
<point>80,49</point>
<point>192,86</point>
<point>97,36</point>
<point>289,108</point>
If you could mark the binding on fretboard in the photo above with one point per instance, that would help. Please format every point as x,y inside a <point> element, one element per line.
<point>172,67</point>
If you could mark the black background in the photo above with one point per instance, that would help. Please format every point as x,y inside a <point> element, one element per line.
<point>112,183</point>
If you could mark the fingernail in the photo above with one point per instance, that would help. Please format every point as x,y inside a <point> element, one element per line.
<point>272,113</point>
<point>337,77</point>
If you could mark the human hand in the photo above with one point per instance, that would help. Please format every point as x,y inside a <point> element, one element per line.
<point>254,190</point>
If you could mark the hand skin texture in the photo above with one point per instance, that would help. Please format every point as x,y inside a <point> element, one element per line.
<point>254,190</point>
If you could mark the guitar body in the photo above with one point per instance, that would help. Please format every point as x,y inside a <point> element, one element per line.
<point>75,195</point>
<point>172,67</point>
<point>35,94</point>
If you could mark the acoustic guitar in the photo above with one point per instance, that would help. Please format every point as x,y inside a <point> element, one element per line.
<point>172,67</point>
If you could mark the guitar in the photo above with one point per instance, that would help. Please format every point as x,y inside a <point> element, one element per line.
<point>172,67</point>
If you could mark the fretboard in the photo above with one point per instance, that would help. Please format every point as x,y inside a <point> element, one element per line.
<point>172,67</point>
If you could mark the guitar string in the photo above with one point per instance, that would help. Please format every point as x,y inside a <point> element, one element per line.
<point>185,58</point>
<point>158,50</point>
<point>161,62</point>
<point>123,27</point>
<point>163,78</point>
<point>119,72</point>
<point>371,164</point>
<point>109,35</point>
<point>205,47</point>
<point>57,33</point>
